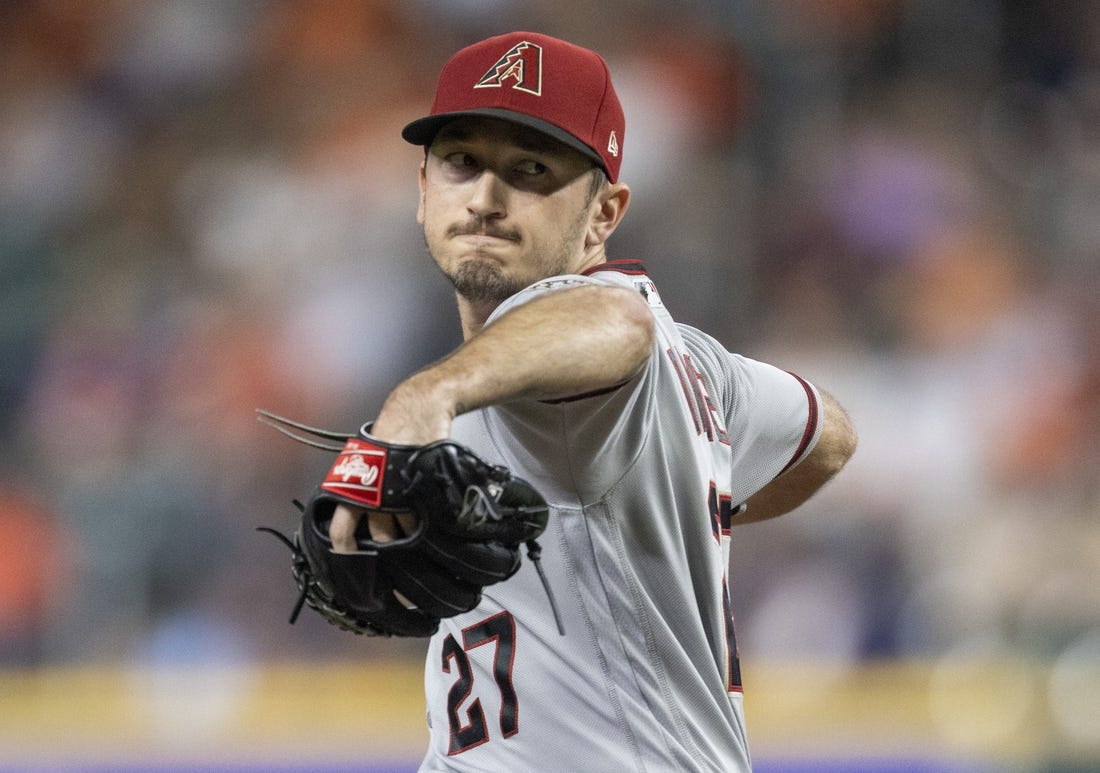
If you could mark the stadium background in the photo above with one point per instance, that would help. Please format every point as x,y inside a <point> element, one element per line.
<point>205,208</point>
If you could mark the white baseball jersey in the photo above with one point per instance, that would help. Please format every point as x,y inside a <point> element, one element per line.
<point>642,481</point>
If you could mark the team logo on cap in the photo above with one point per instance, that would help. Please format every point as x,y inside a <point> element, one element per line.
<point>522,64</point>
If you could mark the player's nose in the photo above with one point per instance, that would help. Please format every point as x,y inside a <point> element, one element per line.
<point>487,196</point>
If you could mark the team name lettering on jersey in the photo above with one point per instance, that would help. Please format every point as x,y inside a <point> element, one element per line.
<point>703,410</point>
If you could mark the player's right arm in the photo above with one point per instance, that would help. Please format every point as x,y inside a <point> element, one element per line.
<point>558,345</point>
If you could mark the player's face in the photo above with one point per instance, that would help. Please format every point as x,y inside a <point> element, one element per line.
<point>503,206</point>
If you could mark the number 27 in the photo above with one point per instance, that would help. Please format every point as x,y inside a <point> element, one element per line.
<point>500,630</point>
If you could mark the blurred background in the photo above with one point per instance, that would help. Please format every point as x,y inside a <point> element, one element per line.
<point>206,207</point>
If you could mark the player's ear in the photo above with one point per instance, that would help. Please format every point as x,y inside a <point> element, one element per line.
<point>610,206</point>
<point>423,186</point>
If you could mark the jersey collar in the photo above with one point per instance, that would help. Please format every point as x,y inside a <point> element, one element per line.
<point>631,267</point>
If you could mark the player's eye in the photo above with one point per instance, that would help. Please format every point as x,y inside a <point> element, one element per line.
<point>460,160</point>
<point>531,168</point>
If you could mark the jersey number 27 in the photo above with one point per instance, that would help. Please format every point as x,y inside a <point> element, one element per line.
<point>472,730</point>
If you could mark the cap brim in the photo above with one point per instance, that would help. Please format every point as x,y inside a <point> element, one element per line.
<point>423,130</point>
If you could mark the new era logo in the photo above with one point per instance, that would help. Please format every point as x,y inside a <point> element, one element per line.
<point>522,65</point>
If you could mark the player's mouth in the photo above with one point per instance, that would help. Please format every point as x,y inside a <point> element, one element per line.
<point>484,243</point>
<point>481,234</point>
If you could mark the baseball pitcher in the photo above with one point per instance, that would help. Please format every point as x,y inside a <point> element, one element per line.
<point>552,502</point>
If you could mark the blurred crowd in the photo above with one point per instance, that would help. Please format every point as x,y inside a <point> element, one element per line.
<point>206,208</point>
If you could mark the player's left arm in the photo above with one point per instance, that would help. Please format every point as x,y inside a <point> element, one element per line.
<point>835,446</point>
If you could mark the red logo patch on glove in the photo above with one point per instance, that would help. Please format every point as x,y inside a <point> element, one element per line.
<point>358,473</point>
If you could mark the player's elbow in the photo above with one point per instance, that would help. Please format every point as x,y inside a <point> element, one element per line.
<point>839,438</point>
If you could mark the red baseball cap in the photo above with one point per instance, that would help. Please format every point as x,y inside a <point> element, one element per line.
<point>535,80</point>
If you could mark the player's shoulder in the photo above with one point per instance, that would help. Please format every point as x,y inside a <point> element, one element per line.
<point>708,352</point>
<point>696,339</point>
<point>726,373</point>
<point>712,353</point>
<point>623,273</point>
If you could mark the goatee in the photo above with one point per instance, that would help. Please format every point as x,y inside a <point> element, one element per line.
<point>483,282</point>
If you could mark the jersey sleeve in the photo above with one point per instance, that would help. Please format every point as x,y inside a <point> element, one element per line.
<point>772,417</point>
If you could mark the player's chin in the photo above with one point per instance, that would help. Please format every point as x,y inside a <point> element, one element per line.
<point>481,280</point>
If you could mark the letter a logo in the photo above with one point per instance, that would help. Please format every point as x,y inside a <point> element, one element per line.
<point>523,64</point>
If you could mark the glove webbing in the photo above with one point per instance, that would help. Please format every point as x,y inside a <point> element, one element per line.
<point>283,425</point>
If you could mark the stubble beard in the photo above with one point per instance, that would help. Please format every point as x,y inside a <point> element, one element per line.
<point>482,282</point>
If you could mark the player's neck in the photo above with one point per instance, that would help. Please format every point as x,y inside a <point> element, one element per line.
<point>473,316</point>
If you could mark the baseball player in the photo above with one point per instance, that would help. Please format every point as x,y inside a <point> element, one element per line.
<point>647,438</point>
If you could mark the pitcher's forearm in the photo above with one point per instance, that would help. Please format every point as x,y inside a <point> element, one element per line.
<point>565,344</point>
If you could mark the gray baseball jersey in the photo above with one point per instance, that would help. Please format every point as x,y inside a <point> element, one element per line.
<point>642,481</point>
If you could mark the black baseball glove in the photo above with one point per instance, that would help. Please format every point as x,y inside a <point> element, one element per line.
<point>472,518</point>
